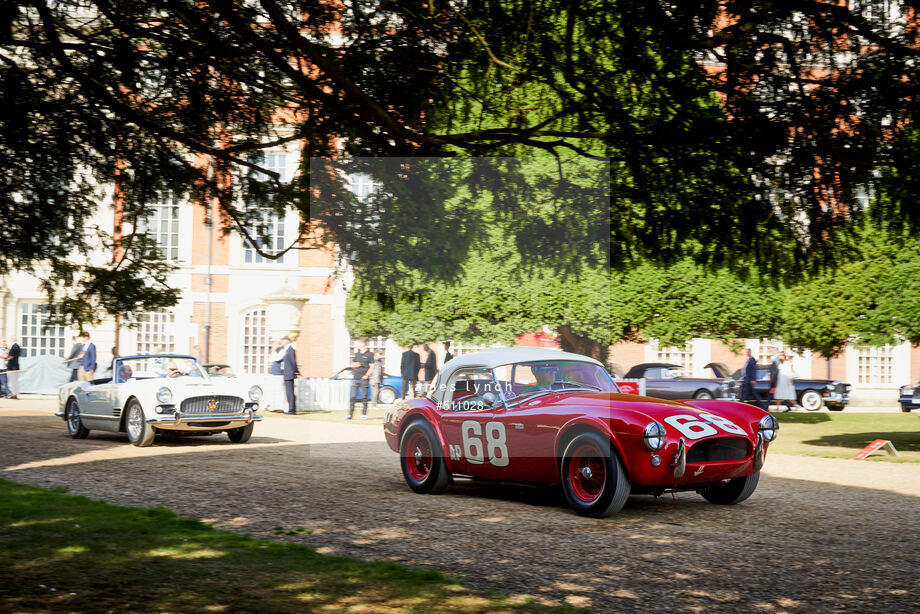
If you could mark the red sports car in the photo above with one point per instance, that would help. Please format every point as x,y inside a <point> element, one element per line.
<point>544,416</point>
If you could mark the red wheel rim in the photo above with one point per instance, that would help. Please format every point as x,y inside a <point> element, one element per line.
<point>587,473</point>
<point>417,456</point>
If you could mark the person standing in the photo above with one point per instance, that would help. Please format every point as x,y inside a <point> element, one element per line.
<point>749,378</point>
<point>447,354</point>
<point>408,371</point>
<point>87,369</point>
<point>429,368</point>
<point>289,372</point>
<point>4,388</point>
<point>785,389</point>
<point>276,389</point>
<point>362,368</point>
<point>13,366</point>
<point>72,359</point>
<point>376,378</point>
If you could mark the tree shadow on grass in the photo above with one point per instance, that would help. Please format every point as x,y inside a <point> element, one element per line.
<point>903,442</point>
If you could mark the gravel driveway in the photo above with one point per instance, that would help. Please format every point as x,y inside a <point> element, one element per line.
<point>819,534</point>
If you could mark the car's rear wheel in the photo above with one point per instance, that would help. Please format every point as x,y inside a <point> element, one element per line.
<point>386,395</point>
<point>732,491</point>
<point>241,434</point>
<point>422,462</point>
<point>140,433</point>
<point>74,423</point>
<point>702,394</point>
<point>811,400</point>
<point>593,478</point>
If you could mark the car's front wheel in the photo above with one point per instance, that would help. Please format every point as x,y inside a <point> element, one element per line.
<point>241,434</point>
<point>811,400</point>
<point>386,395</point>
<point>593,479</point>
<point>74,423</point>
<point>422,462</point>
<point>140,433</point>
<point>702,394</point>
<point>732,491</point>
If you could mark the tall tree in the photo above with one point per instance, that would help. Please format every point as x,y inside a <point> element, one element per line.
<point>738,131</point>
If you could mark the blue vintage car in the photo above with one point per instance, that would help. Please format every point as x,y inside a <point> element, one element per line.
<point>909,397</point>
<point>390,389</point>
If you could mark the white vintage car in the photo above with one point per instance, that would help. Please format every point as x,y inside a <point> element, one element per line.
<point>168,393</point>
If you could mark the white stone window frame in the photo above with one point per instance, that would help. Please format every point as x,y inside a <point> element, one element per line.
<point>169,241</point>
<point>288,224</point>
<point>58,341</point>
<point>254,356</point>
<point>155,329</point>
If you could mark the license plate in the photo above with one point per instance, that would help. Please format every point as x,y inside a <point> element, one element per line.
<point>916,399</point>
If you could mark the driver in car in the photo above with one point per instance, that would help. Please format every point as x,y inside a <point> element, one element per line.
<point>545,379</point>
<point>172,370</point>
<point>124,373</point>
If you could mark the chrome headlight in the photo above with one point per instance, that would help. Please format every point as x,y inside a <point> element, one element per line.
<point>768,427</point>
<point>164,395</point>
<point>654,435</point>
<point>908,390</point>
<point>255,393</point>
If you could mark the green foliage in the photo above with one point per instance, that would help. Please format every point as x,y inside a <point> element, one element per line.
<point>731,168</point>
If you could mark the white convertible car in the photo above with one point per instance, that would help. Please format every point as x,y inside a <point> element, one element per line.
<point>167,393</point>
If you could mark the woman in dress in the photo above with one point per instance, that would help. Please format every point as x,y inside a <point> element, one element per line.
<point>785,389</point>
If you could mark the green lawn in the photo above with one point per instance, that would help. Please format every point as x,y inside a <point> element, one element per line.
<point>63,553</point>
<point>841,435</point>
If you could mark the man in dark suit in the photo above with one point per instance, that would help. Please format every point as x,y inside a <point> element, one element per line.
<point>748,378</point>
<point>289,373</point>
<point>13,365</point>
<point>72,359</point>
<point>447,354</point>
<point>408,370</point>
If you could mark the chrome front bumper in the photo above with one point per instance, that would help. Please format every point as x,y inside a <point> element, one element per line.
<point>179,421</point>
<point>837,399</point>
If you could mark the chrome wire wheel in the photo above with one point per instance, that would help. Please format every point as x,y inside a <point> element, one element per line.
<point>73,418</point>
<point>75,426</point>
<point>135,423</point>
<point>140,433</point>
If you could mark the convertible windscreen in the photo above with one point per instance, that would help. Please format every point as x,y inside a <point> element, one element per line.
<point>525,379</point>
<point>147,367</point>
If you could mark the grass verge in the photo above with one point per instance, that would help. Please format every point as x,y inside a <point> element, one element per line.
<point>841,435</point>
<point>64,553</point>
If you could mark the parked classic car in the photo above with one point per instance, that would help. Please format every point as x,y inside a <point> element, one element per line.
<point>389,390</point>
<point>812,394</point>
<point>543,416</point>
<point>168,393</point>
<point>665,381</point>
<point>909,397</point>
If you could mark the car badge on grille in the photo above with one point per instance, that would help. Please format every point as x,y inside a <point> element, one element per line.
<point>213,404</point>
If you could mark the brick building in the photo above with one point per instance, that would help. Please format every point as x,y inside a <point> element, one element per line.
<point>237,307</point>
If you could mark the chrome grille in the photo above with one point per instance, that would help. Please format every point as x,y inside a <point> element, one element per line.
<point>719,449</point>
<point>199,405</point>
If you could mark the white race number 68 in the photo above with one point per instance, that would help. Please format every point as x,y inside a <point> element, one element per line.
<point>704,425</point>
<point>473,449</point>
